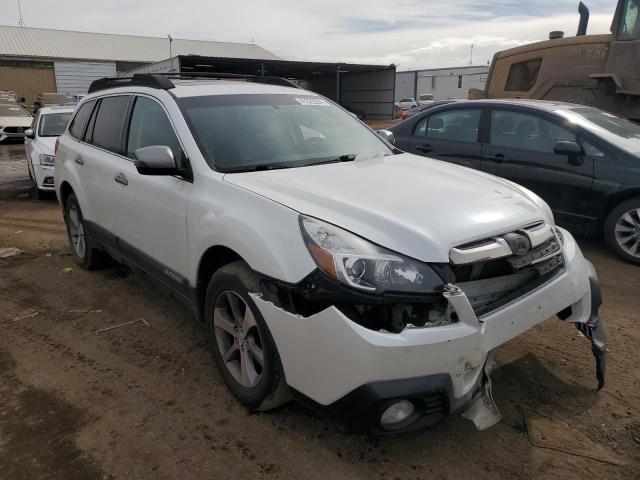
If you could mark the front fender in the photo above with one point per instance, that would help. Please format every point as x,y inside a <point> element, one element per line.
<point>264,233</point>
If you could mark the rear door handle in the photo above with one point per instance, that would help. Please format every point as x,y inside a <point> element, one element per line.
<point>79,160</point>
<point>121,178</point>
<point>426,148</point>
<point>498,158</point>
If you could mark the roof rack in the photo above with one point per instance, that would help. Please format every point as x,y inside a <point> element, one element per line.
<point>163,80</point>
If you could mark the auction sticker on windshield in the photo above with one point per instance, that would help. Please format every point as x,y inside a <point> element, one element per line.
<point>311,101</point>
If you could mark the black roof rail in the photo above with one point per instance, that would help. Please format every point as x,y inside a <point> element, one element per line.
<point>240,76</point>
<point>163,80</point>
<point>137,80</point>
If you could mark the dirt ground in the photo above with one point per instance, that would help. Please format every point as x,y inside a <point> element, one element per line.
<point>145,402</point>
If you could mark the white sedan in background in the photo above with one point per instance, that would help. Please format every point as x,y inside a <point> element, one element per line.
<point>39,142</point>
<point>406,103</point>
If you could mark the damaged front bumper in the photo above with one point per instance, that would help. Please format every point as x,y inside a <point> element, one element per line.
<point>355,373</point>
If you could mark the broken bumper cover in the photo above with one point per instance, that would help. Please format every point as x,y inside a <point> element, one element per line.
<point>341,366</point>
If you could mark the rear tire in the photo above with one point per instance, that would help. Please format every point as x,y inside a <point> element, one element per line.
<point>86,255</point>
<point>622,230</point>
<point>243,349</point>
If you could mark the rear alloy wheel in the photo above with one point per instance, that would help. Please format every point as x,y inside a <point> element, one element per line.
<point>243,348</point>
<point>85,255</point>
<point>622,230</point>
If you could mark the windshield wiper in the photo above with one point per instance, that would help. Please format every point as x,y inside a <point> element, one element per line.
<point>342,158</point>
<point>256,168</point>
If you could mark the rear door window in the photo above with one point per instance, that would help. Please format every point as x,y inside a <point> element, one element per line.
<point>79,122</point>
<point>107,128</point>
<point>458,125</point>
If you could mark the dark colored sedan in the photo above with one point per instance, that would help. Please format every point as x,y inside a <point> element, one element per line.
<point>584,162</point>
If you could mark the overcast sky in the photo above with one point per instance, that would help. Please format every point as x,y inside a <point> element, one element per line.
<point>410,33</point>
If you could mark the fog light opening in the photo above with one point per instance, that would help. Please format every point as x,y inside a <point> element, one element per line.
<point>398,415</point>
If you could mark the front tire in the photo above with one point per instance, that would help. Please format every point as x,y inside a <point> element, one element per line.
<point>622,230</point>
<point>243,349</point>
<point>84,252</point>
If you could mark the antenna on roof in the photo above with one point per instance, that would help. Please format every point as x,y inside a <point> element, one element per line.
<point>20,20</point>
<point>170,53</point>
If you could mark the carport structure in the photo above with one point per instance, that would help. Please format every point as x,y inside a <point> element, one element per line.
<point>367,90</point>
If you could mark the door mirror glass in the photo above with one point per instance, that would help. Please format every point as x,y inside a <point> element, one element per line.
<point>155,160</point>
<point>565,147</point>
<point>29,133</point>
<point>387,135</point>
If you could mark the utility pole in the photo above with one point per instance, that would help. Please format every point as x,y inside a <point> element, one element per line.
<point>170,53</point>
<point>20,20</point>
<point>471,59</point>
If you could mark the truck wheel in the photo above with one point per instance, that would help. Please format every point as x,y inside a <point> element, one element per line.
<point>85,254</point>
<point>243,349</point>
<point>622,230</point>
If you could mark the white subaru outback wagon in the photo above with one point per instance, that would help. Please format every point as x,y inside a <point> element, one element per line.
<point>327,266</point>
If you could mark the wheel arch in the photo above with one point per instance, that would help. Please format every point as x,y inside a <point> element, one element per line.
<point>613,200</point>
<point>211,261</point>
<point>65,190</point>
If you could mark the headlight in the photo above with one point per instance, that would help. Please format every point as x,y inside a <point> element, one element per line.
<point>361,264</point>
<point>47,160</point>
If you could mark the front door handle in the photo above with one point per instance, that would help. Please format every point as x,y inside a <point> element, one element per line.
<point>498,158</point>
<point>79,160</point>
<point>121,178</point>
<point>426,148</point>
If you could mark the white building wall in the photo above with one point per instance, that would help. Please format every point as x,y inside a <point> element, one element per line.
<point>451,83</point>
<point>405,85</point>
<point>75,77</point>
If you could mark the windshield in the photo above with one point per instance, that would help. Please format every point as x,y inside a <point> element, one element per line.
<point>618,131</point>
<point>243,132</point>
<point>13,110</point>
<point>53,124</point>
<point>56,99</point>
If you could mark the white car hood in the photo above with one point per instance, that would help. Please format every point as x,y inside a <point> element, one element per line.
<point>16,121</point>
<point>413,205</point>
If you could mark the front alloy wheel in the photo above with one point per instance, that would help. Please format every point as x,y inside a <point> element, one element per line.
<point>243,348</point>
<point>627,231</point>
<point>622,230</point>
<point>238,339</point>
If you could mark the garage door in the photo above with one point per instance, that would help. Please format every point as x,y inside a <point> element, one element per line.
<point>75,77</point>
<point>27,82</point>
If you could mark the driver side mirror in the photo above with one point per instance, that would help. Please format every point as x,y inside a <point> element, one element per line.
<point>155,160</point>
<point>387,136</point>
<point>564,147</point>
<point>29,133</point>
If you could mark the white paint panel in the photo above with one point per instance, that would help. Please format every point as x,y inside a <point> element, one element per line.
<point>75,77</point>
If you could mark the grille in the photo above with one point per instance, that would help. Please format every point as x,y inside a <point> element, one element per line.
<point>19,130</point>
<point>492,283</point>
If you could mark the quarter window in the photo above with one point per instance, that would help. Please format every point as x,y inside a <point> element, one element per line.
<point>150,126</point>
<point>107,128</point>
<point>458,125</point>
<point>523,75</point>
<point>79,122</point>
<point>592,151</point>
<point>526,132</point>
